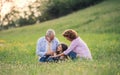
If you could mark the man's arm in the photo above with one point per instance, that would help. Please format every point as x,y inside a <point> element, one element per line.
<point>40,51</point>
<point>49,49</point>
<point>56,43</point>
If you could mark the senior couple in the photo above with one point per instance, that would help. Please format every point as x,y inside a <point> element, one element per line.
<point>49,49</point>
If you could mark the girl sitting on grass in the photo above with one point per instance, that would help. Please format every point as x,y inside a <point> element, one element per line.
<point>61,48</point>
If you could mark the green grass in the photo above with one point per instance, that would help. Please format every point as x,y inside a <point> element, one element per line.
<point>98,26</point>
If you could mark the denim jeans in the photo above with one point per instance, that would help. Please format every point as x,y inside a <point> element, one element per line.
<point>53,59</point>
<point>48,59</point>
<point>44,58</point>
<point>72,55</point>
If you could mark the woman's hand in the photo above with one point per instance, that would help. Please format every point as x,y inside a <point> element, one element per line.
<point>54,56</point>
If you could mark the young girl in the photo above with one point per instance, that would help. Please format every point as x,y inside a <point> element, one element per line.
<point>60,49</point>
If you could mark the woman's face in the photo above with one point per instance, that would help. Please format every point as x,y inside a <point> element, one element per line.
<point>59,48</point>
<point>68,38</point>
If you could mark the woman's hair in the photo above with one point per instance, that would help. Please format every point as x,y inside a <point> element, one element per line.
<point>72,34</point>
<point>64,47</point>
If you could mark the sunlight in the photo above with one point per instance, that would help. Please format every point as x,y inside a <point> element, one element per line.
<point>8,5</point>
<point>6,8</point>
<point>22,3</point>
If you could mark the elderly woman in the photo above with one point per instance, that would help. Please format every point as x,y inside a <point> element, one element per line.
<point>77,48</point>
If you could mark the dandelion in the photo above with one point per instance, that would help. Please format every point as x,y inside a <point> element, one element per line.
<point>79,69</point>
<point>2,42</point>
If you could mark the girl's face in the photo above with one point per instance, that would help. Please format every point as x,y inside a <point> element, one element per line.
<point>59,48</point>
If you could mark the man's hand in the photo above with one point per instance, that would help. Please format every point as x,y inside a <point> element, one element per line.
<point>49,53</point>
<point>48,39</point>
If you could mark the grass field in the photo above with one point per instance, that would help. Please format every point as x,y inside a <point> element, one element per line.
<point>98,26</point>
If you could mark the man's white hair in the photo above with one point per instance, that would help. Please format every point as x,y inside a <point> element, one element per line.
<point>50,32</point>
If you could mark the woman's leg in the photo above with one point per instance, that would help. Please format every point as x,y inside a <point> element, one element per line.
<point>72,55</point>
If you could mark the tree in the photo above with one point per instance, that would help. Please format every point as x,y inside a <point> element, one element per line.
<point>19,15</point>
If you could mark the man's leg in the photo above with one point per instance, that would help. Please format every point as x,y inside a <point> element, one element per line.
<point>52,59</point>
<point>43,59</point>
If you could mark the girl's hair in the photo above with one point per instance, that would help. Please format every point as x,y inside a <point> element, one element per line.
<point>64,47</point>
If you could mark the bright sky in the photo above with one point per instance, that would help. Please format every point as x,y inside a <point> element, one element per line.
<point>22,3</point>
<point>7,6</point>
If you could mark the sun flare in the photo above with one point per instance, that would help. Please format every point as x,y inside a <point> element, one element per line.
<point>7,5</point>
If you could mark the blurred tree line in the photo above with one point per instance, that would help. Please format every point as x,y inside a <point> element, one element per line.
<point>42,10</point>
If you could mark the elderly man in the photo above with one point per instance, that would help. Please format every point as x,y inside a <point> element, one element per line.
<point>47,45</point>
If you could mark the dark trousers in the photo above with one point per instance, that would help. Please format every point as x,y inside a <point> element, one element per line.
<point>47,58</point>
<point>72,55</point>
<point>44,58</point>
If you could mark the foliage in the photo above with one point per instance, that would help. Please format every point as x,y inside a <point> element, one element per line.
<point>57,8</point>
<point>41,10</point>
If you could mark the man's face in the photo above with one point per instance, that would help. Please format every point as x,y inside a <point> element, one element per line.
<point>52,37</point>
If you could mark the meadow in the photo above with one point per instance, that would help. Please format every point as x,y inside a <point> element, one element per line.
<point>98,26</point>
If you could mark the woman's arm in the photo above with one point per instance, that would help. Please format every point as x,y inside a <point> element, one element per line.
<point>62,54</point>
<point>70,48</point>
